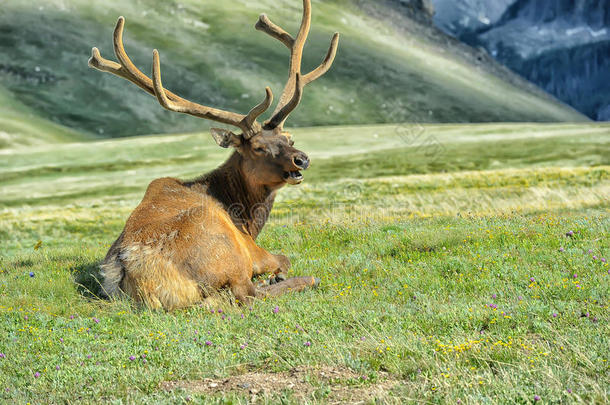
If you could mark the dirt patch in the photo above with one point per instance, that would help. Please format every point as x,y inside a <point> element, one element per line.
<point>330,384</point>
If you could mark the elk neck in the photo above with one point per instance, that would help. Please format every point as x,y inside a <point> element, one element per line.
<point>248,204</point>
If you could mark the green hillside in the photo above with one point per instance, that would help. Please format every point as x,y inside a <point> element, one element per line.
<point>388,68</point>
<point>20,126</point>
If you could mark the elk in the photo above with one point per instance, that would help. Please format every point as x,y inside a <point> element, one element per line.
<point>187,239</point>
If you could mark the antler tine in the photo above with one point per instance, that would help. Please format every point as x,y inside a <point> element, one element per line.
<point>259,109</point>
<point>188,107</point>
<point>127,70</point>
<point>292,90</point>
<point>278,119</point>
<point>326,63</point>
<point>266,25</point>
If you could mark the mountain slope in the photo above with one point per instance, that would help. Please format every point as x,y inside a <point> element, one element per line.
<point>561,45</point>
<point>20,126</point>
<point>210,53</point>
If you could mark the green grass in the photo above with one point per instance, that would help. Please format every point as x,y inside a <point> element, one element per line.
<point>211,54</point>
<point>426,247</point>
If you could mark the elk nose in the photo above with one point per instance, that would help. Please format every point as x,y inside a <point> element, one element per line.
<point>301,161</point>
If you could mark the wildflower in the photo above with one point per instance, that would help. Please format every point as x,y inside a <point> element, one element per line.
<point>575,276</point>
<point>520,298</point>
<point>220,311</point>
<point>89,356</point>
<point>208,343</point>
<point>96,320</point>
<point>594,257</point>
<point>307,344</point>
<point>363,338</point>
<point>36,374</point>
<point>276,310</point>
<point>494,296</point>
<point>589,251</point>
<point>71,316</point>
<point>554,315</point>
<point>143,356</point>
<point>243,346</point>
<point>132,358</point>
<point>569,390</point>
<point>537,398</point>
<point>571,233</point>
<point>31,274</point>
<point>561,249</point>
<point>61,340</point>
<point>603,260</point>
<point>2,355</point>
<point>56,367</point>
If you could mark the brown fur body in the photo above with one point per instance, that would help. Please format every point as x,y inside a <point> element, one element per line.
<point>186,239</point>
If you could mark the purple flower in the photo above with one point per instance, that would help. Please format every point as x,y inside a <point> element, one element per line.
<point>594,257</point>
<point>603,260</point>
<point>132,358</point>
<point>537,398</point>
<point>363,338</point>
<point>56,367</point>
<point>532,279</point>
<point>96,320</point>
<point>520,298</point>
<point>569,390</point>
<point>276,310</point>
<point>71,316</point>
<point>561,249</point>
<point>2,355</point>
<point>575,276</point>
<point>31,274</point>
<point>494,296</point>
<point>143,356</point>
<point>243,346</point>
<point>208,343</point>
<point>26,317</point>
<point>61,340</point>
<point>554,315</point>
<point>589,251</point>
<point>89,356</point>
<point>36,374</point>
<point>571,233</point>
<point>307,344</point>
<point>220,311</point>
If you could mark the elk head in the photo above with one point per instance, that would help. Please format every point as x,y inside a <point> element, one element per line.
<point>269,156</point>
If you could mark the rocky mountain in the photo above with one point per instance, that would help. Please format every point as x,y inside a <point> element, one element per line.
<point>561,45</point>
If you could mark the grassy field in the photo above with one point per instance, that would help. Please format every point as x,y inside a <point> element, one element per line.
<point>459,264</point>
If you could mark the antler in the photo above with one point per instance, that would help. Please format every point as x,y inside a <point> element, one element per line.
<point>127,70</point>
<point>293,90</point>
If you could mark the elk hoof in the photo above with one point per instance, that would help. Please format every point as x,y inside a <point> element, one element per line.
<point>278,278</point>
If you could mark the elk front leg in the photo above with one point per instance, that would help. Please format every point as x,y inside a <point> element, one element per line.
<point>294,284</point>
<point>264,262</point>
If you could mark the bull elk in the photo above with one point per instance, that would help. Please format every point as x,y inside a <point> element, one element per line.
<point>188,238</point>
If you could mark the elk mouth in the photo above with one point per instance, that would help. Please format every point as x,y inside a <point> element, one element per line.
<point>294,177</point>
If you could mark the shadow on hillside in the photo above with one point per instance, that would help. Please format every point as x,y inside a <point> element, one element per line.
<point>88,281</point>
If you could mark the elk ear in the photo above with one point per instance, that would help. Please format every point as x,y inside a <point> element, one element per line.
<point>225,138</point>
